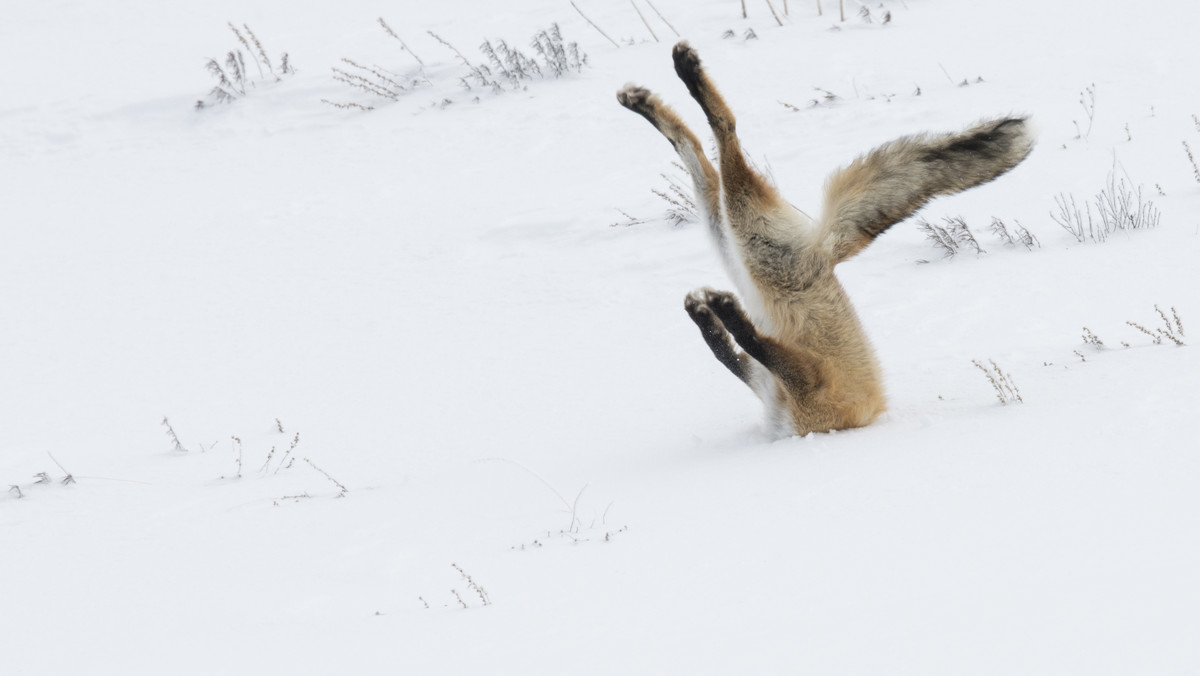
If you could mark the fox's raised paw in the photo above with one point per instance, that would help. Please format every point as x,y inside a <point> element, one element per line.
<point>635,98</point>
<point>687,63</point>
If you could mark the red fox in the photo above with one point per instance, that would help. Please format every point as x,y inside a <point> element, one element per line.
<point>802,348</point>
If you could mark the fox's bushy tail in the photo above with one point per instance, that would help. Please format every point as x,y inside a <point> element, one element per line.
<point>891,182</point>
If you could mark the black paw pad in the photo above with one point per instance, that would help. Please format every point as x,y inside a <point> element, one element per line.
<point>687,62</point>
<point>722,301</point>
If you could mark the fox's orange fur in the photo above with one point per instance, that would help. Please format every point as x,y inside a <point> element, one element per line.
<point>802,348</point>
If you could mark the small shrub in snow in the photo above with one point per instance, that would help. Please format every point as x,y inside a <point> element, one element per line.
<point>479,591</point>
<point>827,97</point>
<point>43,478</point>
<point>284,463</point>
<point>1092,339</point>
<point>513,67</point>
<point>1002,383</point>
<point>377,80</point>
<point>1118,208</point>
<point>1019,234</point>
<point>506,67</point>
<point>233,77</point>
<point>864,13</point>
<point>952,237</point>
<point>557,58</point>
<point>1171,331</point>
<point>680,201</point>
<point>681,205</point>
<point>476,588</point>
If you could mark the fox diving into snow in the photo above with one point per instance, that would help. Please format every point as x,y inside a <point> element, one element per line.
<point>799,344</point>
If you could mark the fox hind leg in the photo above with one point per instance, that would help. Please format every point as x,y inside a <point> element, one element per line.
<point>746,192</point>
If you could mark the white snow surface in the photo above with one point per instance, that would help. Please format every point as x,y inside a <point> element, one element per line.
<point>431,294</point>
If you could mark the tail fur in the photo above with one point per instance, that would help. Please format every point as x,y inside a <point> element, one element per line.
<point>890,183</point>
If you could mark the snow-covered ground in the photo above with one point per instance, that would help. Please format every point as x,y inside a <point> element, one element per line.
<point>394,342</point>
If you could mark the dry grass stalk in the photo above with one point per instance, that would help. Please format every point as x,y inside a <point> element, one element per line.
<point>664,19</point>
<point>175,443</point>
<point>1191,158</point>
<point>237,443</point>
<point>66,480</point>
<point>283,463</point>
<point>1157,339</point>
<point>593,25</point>
<point>371,80</point>
<point>773,13</point>
<point>348,105</point>
<point>270,454</point>
<point>343,489</point>
<point>262,53</point>
<point>403,46</point>
<point>643,18</point>
<point>629,220</point>
<point>1087,100</point>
